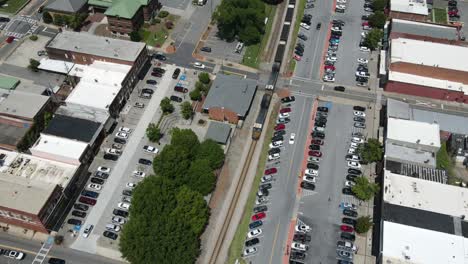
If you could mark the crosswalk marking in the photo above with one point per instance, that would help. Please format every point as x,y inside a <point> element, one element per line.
<point>306,193</point>
<point>41,255</point>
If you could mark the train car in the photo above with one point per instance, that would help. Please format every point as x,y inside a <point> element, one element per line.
<point>289,15</point>
<point>285,32</point>
<point>280,53</point>
<point>258,126</point>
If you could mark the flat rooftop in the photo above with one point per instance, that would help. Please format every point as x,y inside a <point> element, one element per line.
<point>416,245</point>
<point>218,132</point>
<point>26,182</point>
<point>11,135</point>
<point>95,45</point>
<point>413,132</point>
<point>428,53</point>
<point>424,29</point>
<point>83,112</point>
<point>425,195</point>
<point>21,104</point>
<point>395,75</point>
<point>418,7</point>
<point>405,154</point>
<point>59,146</point>
<point>73,128</point>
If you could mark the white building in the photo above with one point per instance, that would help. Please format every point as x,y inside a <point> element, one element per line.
<point>59,149</point>
<point>413,134</point>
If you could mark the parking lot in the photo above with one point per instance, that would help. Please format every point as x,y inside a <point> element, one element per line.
<point>122,174</point>
<point>221,49</point>
<point>179,4</point>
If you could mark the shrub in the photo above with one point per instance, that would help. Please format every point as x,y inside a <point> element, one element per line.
<point>364,223</point>
<point>47,18</point>
<point>163,14</point>
<point>204,77</point>
<point>195,95</point>
<point>33,37</point>
<point>169,25</point>
<point>135,36</point>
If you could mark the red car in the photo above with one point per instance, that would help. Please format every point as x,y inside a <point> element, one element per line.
<point>10,39</point>
<point>258,216</point>
<point>297,57</point>
<point>270,171</point>
<point>285,110</point>
<point>316,142</point>
<point>347,228</point>
<point>365,23</point>
<point>315,153</point>
<point>452,13</point>
<point>330,67</point>
<point>280,127</point>
<point>87,200</point>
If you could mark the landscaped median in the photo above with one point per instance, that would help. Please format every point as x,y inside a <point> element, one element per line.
<point>237,244</point>
<point>439,15</point>
<point>300,13</point>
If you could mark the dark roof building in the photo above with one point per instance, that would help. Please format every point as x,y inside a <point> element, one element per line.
<point>73,128</point>
<point>67,6</point>
<point>218,132</point>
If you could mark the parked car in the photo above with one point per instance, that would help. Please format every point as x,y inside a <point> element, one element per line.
<point>56,261</point>
<point>101,175</point>
<point>307,185</point>
<point>119,212</point>
<point>350,213</point>
<point>73,221</point>
<point>206,49</point>
<point>255,224</point>
<point>176,99</point>
<point>347,236</point>
<point>81,207</point>
<point>180,89</point>
<point>87,200</point>
<point>176,73</point>
<point>288,99</point>
<point>90,194</point>
<point>252,242</point>
<point>258,216</point>
<point>145,162</point>
<point>78,213</point>
<point>110,235</point>
<point>97,180</point>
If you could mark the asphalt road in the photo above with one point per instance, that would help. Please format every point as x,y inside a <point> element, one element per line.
<point>283,194</point>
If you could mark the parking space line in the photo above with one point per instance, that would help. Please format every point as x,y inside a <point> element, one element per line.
<point>292,225</point>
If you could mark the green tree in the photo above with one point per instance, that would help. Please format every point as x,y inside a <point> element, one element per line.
<point>204,77</point>
<point>173,162</point>
<point>33,65</point>
<point>373,38</point>
<point>200,177</point>
<point>186,139</point>
<point>211,151</point>
<point>76,20</point>
<point>186,110</point>
<point>201,87</point>
<point>379,5</point>
<point>135,36</point>
<point>47,18</point>
<point>166,105</point>
<point>47,117</point>
<point>33,37</point>
<point>195,95</point>
<point>443,160</point>
<point>153,132</point>
<point>59,20</point>
<point>377,20</point>
<point>363,224</point>
<point>364,190</point>
<point>371,151</point>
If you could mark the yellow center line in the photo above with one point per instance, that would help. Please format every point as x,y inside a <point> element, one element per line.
<point>274,241</point>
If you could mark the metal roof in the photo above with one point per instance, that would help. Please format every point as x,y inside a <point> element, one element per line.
<point>424,29</point>
<point>66,6</point>
<point>218,132</point>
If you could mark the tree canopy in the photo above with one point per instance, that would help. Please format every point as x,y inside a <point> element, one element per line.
<point>153,132</point>
<point>204,77</point>
<point>172,162</point>
<point>364,190</point>
<point>373,38</point>
<point>363,224</point>
<point>200,176</point>
<point>186,110</point>
<point>377,20</point>
<point>211,151</point>
<point>186,139</point>
<point>241,18</point>
<point>379,5</point>
<point>166,105</point>
<point>371,151</point>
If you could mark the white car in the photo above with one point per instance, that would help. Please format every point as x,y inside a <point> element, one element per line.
<point>362,60</point>
<point>131,185</point>
<point>87,230</point>
<point>354,164</point>
<point>261,200</point>
<point>308,178</point>
<point>118,219</point>
<point>366,27</point>
<point>283,115</point>
<point>349,184</point>
<point>351,150</point>
<point>357,140</point>
<point>274,156</point>
<point>138,173</point>
<point>95,186</point>
<point>292,138</point>
<point>331,58</point>
<point>359,113</point>
<point>319,129</point>
<point>341,6</point>
<point>350,206</point>
<point>337,29</point>
<point>341,1</point>
<point>299,246</point>
<point>249,251</point>
<point>198,65</point>
<point>313,159</point>
<point>267,178</point>
<point>103,169</point>
<point>254,233</point>
<point>113,151</point>
<point>311,172</point>
<point>276,144</point>
<point>151,149</point>
<point>125,129</point>
<point>362,74</point>
<point>126,199</point>
<point>327,78</point>
<point>112,227</point>
<point>15,255</point>
<point>123,205</point>
<point>364,49</point>
<point>303,228</point>
<point>305,26</point>
<point>353,145</point>
<point>122,135</point>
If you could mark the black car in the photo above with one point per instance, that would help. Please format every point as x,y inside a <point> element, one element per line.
<point>101,175</point>
<point>347,190</point>
<point>152,82</point>
<point>145,161</point>
<point>299,48</point>
<point>303,238</point>
<point>274,150</point>
<point>119,212</point>
<point>354,171</point>
<point>147,90</point>
<point>351,177</point>
<point>319,25</point>
<point>365,17</point>
<point>307,185</point>
<point>306,21</point>
<point>73,221</point>
<point>206,49</point>
<point>359,119</point>
<point>277,138</point>
<point>120,140</point>
<point>338,22</point>
<point>339,88</point>
<point>160,70</point>
<point>318,134</point>
<point>288,99</point>
<point>97,180</point>
<point>322,109</point>
<point>298,52</point>
<point>56,261</point>
<point>159,57</point>
<point>265,186</point>
<point>110,235</point>
<point>279,133</point>
<point>108,156</point>
<point>82,207</point>
<point>359,108</point>
<point>255,224</point>
<point>78,213</point>
<point>127,192</point>
<point>297,255</point>
<point>252,242</point>
<point>176,99</point>
<point>349,212</point>
<point>312,166</point>
<point>261,208</point>
<point>176,73</point>
<point>320,124</point>
<point>314,147</point>
<point>284,120</point>
<point>339,10</point>
<point>347,236</point>
<point>340,261</point>
<point>302,36</point>
<point>90,194</point>
<point>349,221</point>
<point>4,19</point>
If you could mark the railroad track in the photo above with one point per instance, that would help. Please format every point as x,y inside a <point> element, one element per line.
<point>232,206</point>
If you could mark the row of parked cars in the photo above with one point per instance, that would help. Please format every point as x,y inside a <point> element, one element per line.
<point>274,154</point>
<point>330,57</point>
<point>299,245</point>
